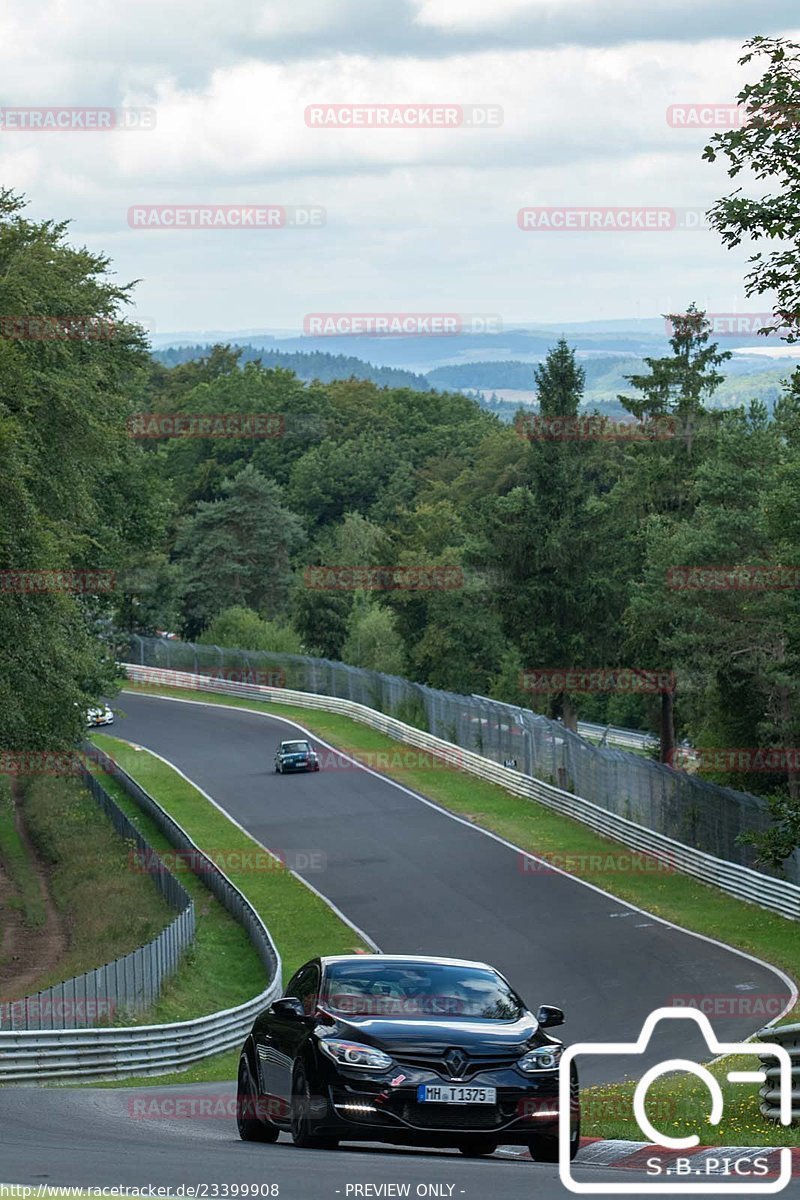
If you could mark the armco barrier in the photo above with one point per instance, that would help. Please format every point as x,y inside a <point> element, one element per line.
<point>115,1053</point>
<point>787,1036</point>
<point>681,804</point>
<point>779,895</point>
<point>628,739</point>
<point>130,983</point>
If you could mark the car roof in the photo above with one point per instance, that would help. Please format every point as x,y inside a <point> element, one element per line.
<point>399,959</point>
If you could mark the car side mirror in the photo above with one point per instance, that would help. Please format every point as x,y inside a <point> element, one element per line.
<point>290,1008</point>
<point>548,1016</point>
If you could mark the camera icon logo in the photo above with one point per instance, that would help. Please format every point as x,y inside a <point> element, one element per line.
<point>780,1053</point>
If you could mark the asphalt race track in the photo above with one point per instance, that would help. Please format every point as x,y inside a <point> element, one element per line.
<point>414,880</point>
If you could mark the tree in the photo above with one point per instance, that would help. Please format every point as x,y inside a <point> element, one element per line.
<point>672,395</point>
<point>243,629</point>
<point>540,540</point>
<point>372,638</point>
<point>767,146</point>
<point>237,550</point>
<point>679,384</point>
<point>67,470</point>
<point>560,382</point>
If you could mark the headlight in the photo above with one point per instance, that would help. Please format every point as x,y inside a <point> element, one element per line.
<point>543,1058</point>
<point>353,1054</point>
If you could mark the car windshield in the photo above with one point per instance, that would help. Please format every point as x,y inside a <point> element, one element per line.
<point>295,747</point>
<point>419,990</point>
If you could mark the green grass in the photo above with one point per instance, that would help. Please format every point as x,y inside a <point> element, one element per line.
<point>107,910</point>
<point>224,969</point>
<point>678,1105</point>
<point>18,866</point>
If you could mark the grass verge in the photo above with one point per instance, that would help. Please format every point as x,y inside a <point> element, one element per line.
<point>17,864</point>
<point>106,910</point>
<point>678,1105</point>
<point>225,969</point>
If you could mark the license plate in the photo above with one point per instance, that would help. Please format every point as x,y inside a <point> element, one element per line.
<point>450,1093</point>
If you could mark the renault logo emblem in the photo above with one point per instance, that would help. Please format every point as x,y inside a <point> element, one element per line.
<point>456,1062</point>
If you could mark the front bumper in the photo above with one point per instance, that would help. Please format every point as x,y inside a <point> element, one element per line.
<point>369,1108</point>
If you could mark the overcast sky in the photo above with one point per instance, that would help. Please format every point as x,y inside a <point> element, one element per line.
<point>416,220</point>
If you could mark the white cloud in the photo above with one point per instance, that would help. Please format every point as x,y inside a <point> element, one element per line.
<point>414,217</point>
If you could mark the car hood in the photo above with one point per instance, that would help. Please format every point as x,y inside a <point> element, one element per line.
<point>431,1037</point>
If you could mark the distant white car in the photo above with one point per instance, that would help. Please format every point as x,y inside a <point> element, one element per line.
<point>102,715</point>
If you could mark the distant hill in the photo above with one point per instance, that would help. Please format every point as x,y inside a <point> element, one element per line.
<point>747,377</point>
<point>601,373</point>
<point>316,365</point>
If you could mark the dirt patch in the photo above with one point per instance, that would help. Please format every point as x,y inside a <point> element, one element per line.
<point>27,954</point>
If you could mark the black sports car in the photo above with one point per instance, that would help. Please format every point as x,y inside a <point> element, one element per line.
<point>404,1049</point>
<point>295,756</point>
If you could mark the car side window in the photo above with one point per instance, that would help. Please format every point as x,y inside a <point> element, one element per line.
<point>305,986</point>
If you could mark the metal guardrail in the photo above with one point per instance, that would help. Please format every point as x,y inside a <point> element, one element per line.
<point>778,895</point>
<point>628,739</point>
<point>787,1036</point>
<point>130,983</point>
<point>117,1053</point>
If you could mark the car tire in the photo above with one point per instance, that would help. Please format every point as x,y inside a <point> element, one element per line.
<point>544,1146</point>
<point>477,1147</point>
<point>301,1096</point>
<point>249,1126</point>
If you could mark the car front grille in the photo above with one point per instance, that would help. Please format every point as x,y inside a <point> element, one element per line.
<point>474,1065</point>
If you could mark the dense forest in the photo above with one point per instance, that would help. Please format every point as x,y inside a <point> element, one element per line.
<point>307,366</point>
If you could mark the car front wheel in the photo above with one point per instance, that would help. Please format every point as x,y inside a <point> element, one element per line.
<point>301,1116</point>
<point>544,1146</point>
<point>477,1147</point>
<point>250,1128</point>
